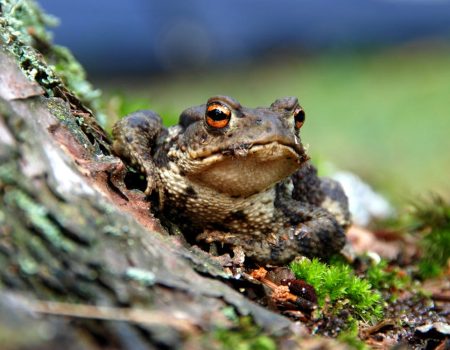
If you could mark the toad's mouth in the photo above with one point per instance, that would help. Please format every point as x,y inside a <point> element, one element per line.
<point>242,149</point>
<point>244,171</point>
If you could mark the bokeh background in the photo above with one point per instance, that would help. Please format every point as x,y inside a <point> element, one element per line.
<point>373,76</point>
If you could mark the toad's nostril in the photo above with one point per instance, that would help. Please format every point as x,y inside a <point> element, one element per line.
<point>259,121</point>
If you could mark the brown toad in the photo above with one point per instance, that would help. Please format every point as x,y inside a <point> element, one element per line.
<point>238,176</point>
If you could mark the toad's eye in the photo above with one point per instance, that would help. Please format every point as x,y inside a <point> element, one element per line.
<point>299,117</point>
<point>217,115</point>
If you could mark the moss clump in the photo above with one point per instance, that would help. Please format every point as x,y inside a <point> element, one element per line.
<point>246,336</point>
<point>340,288</point>
<point>350,337</point>
<point>386,278</point>
<point>431,220</point>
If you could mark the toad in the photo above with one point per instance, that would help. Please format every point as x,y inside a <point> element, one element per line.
<point>239,177</point>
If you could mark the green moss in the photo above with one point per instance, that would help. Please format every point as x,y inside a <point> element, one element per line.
<point>338,286</point>
<point>430,219</point>
<point>386,278</point>
<point>429,268</point>
<point>246,336</point>
<point>350,337</point>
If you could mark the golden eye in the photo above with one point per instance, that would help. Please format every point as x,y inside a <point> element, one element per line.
<point>299,117</point>
<point>217,115</point>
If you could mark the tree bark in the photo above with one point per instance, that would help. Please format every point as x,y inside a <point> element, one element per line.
<point>76,246</point>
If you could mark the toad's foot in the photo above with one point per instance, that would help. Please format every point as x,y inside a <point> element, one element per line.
<point>226,260</point>
<point>210,236</point>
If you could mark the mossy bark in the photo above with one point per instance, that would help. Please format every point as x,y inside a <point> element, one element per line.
<point>74,244</point>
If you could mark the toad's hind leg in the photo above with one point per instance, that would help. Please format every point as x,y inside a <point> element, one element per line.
<point>317,234</point>
<point>321,192</point>
<point>134,139</point>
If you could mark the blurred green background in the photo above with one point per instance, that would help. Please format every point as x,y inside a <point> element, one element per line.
<point>384,115</point>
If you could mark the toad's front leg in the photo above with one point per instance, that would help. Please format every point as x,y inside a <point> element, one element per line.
<point>134,140</point>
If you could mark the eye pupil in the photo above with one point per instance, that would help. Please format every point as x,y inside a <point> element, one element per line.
<point>217,115</point>
<point>299,118</point>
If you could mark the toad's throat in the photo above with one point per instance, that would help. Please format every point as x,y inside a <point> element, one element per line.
<point>245,172</point>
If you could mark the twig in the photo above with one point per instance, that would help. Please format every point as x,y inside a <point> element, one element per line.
<point>440,297</point>
<point>132,315</point>
<point>376,328</point>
